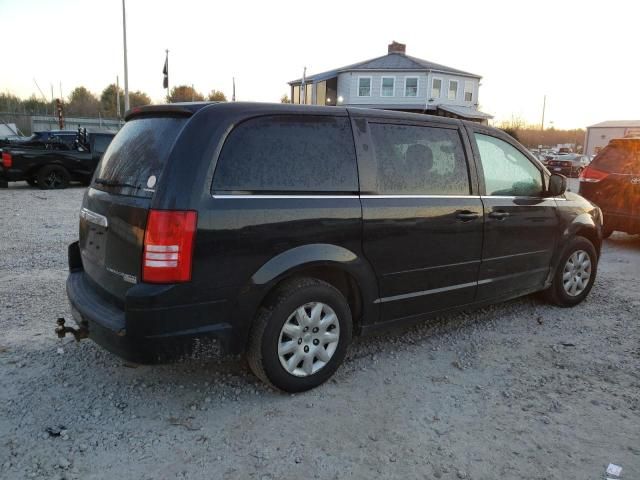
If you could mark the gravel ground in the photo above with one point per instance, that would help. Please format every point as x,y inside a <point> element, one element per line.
<point>518,390</point>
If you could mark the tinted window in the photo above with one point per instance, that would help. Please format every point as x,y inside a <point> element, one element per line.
<point>100,143</point>
<point>138,152</point>
<point>506,170</point>
<point>288,153</point>
<point>419,160</point>
<point>619,158</point>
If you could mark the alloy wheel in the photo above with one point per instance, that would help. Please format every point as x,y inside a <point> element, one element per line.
<point>53,180</point>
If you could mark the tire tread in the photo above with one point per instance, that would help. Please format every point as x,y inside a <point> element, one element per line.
<point>281,294</point>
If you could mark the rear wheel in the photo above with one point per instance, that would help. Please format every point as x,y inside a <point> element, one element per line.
<point>52,177</point>
<point>301,336</point>
<point>575,274</point>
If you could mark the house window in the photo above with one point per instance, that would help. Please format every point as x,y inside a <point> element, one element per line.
<point>411,87</point>
<point>453,89</point>
<point>364,86</point>
<point>388,87</point>
<point>468,91</point>
<point>436,88</point>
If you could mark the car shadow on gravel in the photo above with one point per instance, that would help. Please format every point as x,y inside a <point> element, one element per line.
<point>624,241</point>
<point>221,375</point>
<point>25,186</point>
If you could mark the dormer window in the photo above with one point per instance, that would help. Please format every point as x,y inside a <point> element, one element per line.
<point>453,89</point>
<point>364,86</point>
<point>468,91</point>
<point>411,87</point>
<point>436,88</point>
<point>388,87</point>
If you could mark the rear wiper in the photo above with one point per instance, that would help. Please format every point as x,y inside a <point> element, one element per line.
<point>111,183</point>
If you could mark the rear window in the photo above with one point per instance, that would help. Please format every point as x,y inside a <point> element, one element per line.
<point>288,154</point>
<point>619,158</point>
<point>135,158</point>
<point>101,142</point>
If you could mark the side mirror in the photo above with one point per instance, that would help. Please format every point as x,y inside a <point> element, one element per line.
<point>557,185</point>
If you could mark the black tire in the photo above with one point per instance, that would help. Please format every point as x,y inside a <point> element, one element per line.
<point>557,293</point>
<point>265,335</point>
<point>52,177</point>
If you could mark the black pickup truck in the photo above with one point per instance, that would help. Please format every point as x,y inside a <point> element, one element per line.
<point>55,165</point>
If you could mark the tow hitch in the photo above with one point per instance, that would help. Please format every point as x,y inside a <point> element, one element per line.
<point>78,333</point>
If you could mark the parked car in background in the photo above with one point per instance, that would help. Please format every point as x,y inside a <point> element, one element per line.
<point>569,165</point>
<point>56,163</point>
<point>281,231</point>
<point>612,181</point>
<point>51,139</point>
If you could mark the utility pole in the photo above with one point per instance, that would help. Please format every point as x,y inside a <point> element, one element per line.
<point>126,70</point>
<point>544,106</point>
<point>118,97</point>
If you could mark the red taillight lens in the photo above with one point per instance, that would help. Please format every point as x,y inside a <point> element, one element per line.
<point>7,161</point>
<point>592,175</point>
<point>168,246</point>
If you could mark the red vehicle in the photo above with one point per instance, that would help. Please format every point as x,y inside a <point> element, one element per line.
<point>612,181</point>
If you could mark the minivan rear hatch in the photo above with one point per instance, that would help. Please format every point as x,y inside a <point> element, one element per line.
<point>115,208</point>
<point>617,167</point>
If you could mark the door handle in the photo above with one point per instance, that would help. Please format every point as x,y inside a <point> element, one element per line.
<point>466,216</point>
<point>499,214</point>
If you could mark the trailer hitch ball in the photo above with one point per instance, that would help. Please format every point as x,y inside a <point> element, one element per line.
<point>78,333</point>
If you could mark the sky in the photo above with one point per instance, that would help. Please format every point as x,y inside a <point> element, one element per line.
<point>583,55</point>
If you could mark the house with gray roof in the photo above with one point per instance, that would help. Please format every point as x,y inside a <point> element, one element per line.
<point>395,81</point>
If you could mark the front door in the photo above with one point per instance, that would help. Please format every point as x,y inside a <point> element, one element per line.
<point>521,225</point>
<point>421,214</point>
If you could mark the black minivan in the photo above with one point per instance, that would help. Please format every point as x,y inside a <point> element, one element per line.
<point>281,231</point>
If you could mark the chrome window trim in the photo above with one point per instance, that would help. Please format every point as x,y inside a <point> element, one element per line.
<point>283,196</point>
<point>513,197</point>
<point>419,196</point>
<point>368,196</point>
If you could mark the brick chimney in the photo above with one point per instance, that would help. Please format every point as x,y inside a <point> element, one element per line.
<point>395,47</point>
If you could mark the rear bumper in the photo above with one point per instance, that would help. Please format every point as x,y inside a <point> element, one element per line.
<point>614,219</point>
<point>145,335</point>
<point>621,222</point>
<point>11,174</point>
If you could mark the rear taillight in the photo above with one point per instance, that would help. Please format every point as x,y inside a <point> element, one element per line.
<point>592,175</point>
<point>7,161</point>
<point>168,246</point>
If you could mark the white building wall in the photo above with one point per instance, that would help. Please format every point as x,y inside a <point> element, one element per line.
<point>443,99</point>
<point>348,89</point>
<point>598,137</point>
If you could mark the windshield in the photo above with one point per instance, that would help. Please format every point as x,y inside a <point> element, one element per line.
<point>134,161</point>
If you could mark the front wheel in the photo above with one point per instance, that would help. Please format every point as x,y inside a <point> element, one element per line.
<point>301,336</point>
<point>575,274</point>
